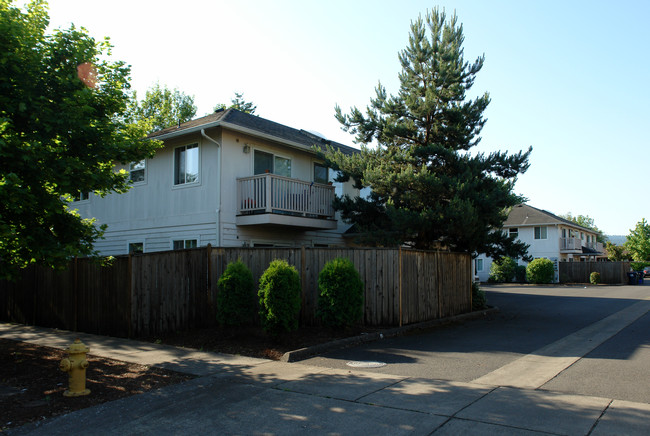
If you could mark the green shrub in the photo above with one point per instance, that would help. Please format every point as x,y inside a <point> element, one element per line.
<point>594,278</point>
<point>236,303</point>
<point>520,274</point>
<point>340,298</point>
<point>279,295</point>
<point>540,271</point>
<point>502,270</point>
<point>479,299</point>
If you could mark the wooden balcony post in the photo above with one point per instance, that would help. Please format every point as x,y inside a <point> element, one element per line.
<point>267,194</point>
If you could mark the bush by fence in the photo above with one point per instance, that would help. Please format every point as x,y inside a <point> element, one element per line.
<point>154,293</point>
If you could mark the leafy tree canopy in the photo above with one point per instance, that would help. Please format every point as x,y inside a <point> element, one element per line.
<point>616,253</point>
<point>61,102</point>
<point>586,222</point>
<point>427,190</point>
<point>239,103</point>
<point>160,108</point>
<point>638,241</point>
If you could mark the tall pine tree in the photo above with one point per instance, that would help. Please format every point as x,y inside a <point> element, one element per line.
<point>427,190</point>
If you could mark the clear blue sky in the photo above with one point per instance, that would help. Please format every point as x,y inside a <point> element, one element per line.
<point>570,78</point>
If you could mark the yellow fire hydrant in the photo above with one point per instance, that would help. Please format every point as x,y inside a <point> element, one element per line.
<point>75,365</point>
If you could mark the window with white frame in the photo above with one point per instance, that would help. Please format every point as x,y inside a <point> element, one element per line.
<point>137,171</point>
<point>541,232</point>
<point>478,265</point>
<point>136,247</point>
<point>264,162</point>
<point>514,232</point>
<point>186,164</point>
<point>181,244</point>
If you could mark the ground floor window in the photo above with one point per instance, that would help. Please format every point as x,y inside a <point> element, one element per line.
<point>184,243</point>
<point>136,247</point>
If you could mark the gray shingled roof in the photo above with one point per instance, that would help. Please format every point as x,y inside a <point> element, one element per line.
<point>525,215</point>
<point>255,123</point>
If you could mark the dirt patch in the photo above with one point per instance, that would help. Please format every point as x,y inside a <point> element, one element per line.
<point>31,385</point>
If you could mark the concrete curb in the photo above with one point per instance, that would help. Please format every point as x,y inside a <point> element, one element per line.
<point>304,353</point>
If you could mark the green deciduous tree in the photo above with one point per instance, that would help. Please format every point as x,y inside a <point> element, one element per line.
<point>427,189</point>
<point>638,241</point>
<point>61,102</point>
<point>616,253</point>
<point>161,108</point>
<point>238,103</point>
<point>586,222</point>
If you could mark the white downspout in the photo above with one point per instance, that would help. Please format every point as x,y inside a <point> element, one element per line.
<point>218,211</point>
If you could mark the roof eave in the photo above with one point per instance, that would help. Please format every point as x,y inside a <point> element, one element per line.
<point>233,127</point>
<point>257,133</point>
<point>195,129</point>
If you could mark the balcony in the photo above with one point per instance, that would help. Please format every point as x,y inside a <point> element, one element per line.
<point>570,244</point>
<point>269,199</point>
<point>576,244</point>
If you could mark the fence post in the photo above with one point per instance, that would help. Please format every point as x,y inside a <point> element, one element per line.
<point>399,256</point>
<point>303,277</point>
<point>76,291</point>
<point>130,291</point>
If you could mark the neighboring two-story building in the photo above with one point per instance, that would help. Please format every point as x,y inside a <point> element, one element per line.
<point>548,236</point>
<point>226,179</point>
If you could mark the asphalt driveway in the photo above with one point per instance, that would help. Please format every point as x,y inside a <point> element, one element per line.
<point>596,340</point>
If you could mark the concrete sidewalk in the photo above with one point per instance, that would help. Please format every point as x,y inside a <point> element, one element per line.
<point>241,395</point>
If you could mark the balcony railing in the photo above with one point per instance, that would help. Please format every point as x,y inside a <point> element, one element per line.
<point>270,193</point>
<point>577,244</point>
<point>570,244</point>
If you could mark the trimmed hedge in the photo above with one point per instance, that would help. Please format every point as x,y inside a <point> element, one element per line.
<point>340,298</point>
<point>594,278</point>
<point>236,303</point>
<point>540,271</point>
<point>280,300</point>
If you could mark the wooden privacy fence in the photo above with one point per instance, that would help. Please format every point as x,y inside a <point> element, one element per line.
<point>578,272</point>
<point>155,293</point>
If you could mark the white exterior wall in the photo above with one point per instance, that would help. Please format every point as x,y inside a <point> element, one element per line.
<point>156,212</point>
<point>548,248</point>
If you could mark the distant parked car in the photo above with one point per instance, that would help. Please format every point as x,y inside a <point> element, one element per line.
<point>646,271</point>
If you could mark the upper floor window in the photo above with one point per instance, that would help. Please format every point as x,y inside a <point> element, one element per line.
<point>564,233</point>
<point>136,171</point>
<point>514,232</point>
<point>582,236</point>
<point>541,232</point>
<point>320,173</point>
<point>269,163</point>
<point>186,164</point>
<point>478,265</point>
